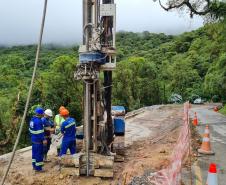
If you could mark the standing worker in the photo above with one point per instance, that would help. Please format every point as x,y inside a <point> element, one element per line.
<point>68,129</point>
<point>58,120</point>
<point>48,129</point>
<point>37,138</point>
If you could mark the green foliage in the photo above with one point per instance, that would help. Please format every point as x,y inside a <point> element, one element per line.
<point>150,68</point>
<point>215,81</point>
<point>135,83</point>
<point>57,86</point>
<point>212,10</point>
<point>184,79</point>
<point>218,9</point>
<point>223,110</point>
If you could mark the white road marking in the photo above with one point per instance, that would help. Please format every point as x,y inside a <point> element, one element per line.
<point>220,129</point>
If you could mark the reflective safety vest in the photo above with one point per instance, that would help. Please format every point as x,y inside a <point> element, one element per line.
<point>36,130</point>
<point>58,120</point>
<point>68,129</point>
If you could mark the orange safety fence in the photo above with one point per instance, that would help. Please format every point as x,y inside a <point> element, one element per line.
<point>172,174</point>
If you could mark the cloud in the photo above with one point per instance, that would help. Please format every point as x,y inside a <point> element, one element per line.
<point>20,20</point>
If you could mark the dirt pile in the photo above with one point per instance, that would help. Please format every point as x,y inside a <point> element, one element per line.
<point>150,139</point>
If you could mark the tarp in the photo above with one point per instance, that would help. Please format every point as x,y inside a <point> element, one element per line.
<point>118,110</point>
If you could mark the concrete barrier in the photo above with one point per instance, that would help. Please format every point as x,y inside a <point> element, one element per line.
<point>5,157</point>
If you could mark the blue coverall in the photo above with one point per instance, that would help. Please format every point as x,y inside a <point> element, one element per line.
<point>47,123</point>
<point>37,137</point>
<point>68,129</point>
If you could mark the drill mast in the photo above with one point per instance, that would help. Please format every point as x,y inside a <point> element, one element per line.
<point>97,58</point>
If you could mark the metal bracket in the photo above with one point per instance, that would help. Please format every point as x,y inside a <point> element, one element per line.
<point>108,10</point>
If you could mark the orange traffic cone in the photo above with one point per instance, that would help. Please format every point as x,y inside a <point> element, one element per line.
<point>207,131</point>
<point>205,147</point>
<point>195,120</point>
<point>212,175</point>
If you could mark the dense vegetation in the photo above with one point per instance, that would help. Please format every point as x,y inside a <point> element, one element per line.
<point>223,110</point>
<point>150,68</point>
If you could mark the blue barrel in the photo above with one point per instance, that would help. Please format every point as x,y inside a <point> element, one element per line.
<point>119,125</point>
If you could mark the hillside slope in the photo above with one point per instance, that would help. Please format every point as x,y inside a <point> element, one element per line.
<point>150,68</point>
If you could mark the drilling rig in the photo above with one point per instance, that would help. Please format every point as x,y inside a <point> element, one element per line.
<point>97,60</point>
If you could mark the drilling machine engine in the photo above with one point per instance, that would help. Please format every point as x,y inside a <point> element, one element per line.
<point>97,58</point>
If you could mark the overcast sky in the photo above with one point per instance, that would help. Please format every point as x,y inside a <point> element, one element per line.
<point>20,20</point>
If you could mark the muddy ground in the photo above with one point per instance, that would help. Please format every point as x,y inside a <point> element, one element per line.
<point>150,138</point>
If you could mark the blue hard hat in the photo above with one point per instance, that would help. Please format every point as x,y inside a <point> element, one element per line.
<point>39,110</point>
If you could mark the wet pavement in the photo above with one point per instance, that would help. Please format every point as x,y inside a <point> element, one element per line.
<point>217,125</point>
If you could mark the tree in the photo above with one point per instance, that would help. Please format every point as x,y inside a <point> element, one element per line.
<point>150,68</point>
<point>215,9</point>
<point>183,77</point>
<point>135,83</point>
<point>57,87</point>
<point>215,80</point>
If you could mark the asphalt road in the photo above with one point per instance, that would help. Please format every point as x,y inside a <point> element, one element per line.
<point>217,125</point>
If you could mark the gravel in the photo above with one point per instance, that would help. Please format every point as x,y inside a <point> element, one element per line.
<point>142,180</point>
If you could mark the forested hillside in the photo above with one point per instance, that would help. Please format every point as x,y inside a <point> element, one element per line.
<point>150,68</point>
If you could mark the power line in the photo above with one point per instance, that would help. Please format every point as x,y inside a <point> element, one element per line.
<point>29,92</point>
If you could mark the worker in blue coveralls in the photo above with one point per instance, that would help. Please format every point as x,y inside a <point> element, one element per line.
<point>37,138</point>
<point>48,130</point>
<point>68,129</point>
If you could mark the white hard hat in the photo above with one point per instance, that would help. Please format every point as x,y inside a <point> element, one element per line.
<point>49,112</point>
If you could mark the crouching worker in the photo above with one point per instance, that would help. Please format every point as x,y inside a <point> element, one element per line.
<point>37,138</point>
<point>68,129</point>
<point>48,130</point>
